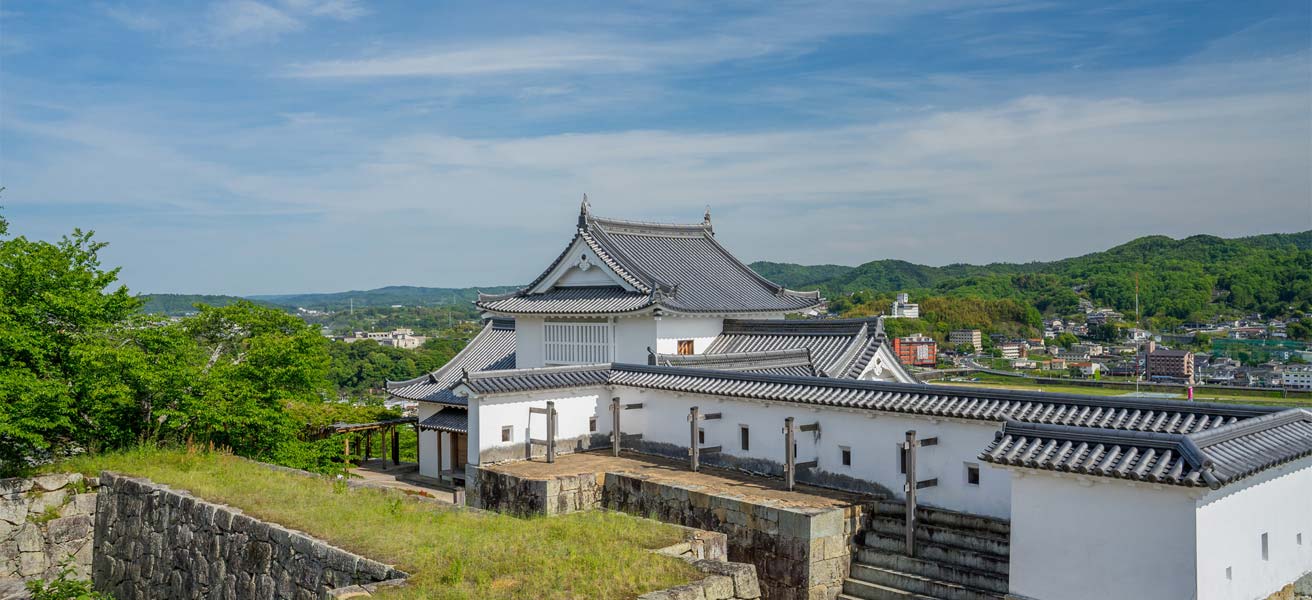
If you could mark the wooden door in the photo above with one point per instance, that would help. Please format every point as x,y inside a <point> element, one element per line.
<point>459,450</point>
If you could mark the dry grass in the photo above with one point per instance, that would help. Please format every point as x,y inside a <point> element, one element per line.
<point>449,553</point>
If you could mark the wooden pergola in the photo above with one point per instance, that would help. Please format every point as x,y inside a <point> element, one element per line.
<point>385,427</point>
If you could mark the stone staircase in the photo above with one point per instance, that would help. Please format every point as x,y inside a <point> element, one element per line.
<point>958,557</point>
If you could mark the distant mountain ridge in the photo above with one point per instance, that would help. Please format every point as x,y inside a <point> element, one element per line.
<point>405,295</point>
<point>1177,277</point>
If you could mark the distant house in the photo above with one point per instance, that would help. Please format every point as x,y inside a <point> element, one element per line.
<point>903,308</point>
<point>1012,350</point>
<point>916,350</point>
<point>973,337</point>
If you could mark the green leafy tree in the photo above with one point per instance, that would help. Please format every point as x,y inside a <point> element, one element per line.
<point>56,302</point>
<point>1067,339</point>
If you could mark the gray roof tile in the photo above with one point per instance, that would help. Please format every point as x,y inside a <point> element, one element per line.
<point>1210,457</point>
<point>492,348</point>
<point>678,267</point>
<point>450,418</point>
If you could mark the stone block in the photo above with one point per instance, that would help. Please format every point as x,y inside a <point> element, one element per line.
<point>29,538</point>
<point>13,511</point>
<point>353,591</point>
<point>55,481</point>
<point>745,583</point>
<point>827,523</point>
<point>717,587</point>
<point>53,499</point>
<point>66,529</point>
<point>82,504</point>
<point>32,564</point>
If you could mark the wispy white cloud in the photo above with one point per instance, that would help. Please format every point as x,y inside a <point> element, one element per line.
<point>232,19</point>
<point>136,19</point>
<point>1000,177</point>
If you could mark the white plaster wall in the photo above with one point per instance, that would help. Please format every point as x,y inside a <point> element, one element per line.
<point>573,410</point>
<point>428,442</point>
<point>1094,539</point>
<point>633,336</point>
<point>528,342</point>
<point>701,331</point>
<point>873,437</point>
<point>1231,521</point>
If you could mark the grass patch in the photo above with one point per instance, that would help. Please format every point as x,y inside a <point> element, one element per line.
<point>51,513</point>
<point>449,553</point>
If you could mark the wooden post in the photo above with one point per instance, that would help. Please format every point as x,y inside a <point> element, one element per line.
<point>439,455</point>
<point>551,431</point>
<point>909,448</point>
<point>368,444</point>
<point>417,432</point>
<point>615,426</point>
<point>692,446</point>
<point>346,448</point>
<point>396,446</point>
<point>790,455</point>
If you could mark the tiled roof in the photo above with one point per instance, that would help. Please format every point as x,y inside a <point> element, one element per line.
<point>1211,457</point>
<point>839,347</point>
<point>677,267</point>
<point>1130,414</point>
<point>450,418</point>
<point>568,300</point>
<point>793,361</point>
<point>492,348</point>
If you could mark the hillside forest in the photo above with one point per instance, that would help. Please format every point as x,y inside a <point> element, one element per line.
<point>1193,280</point>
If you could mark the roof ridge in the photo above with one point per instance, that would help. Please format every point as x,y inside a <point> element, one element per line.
<point>1225,433</point>
<point>603,221</point>
<point>537,370</point>
<point>435,374</point>
<point>849,354</point>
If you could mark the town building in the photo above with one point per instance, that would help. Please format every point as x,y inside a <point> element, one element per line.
<point>1102,496</point>
<point>957,337</point>
<point>1297,377</point>
<point>903,308</point>
<point>916,350</point>
<point>1013,350</point>
<point>398,338</point>
<point>1161,363</point>
<point>1088,348</point>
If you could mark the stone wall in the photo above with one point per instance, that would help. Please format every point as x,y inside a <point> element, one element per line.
<point>799,553</point>
<point>155,542</point>
<point>509,494</point>
<point>45,524</point>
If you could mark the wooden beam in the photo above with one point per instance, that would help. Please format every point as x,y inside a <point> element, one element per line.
<point>615,426</point>
<point>790,456</point>
<point>693,458</point>
<point>396,446</point>
<point>809,427</point>
<point>551,431</point>
<point>910,489</point>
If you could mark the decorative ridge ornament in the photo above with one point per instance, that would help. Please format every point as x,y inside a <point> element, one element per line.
<point>585,213</point>
<point>706,221</point>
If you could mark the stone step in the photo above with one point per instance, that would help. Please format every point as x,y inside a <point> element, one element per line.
<point>935,570</point>
<point>864,590</point>
<point>919,584</point>
<point>982,561</point>
<point>975,541</point>
<point>943,518</point>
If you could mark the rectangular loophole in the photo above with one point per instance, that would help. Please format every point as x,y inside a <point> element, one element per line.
<point>972,474</point>
<point>507,433</point>
<point>845,454</point>
<point>1266,548</point>
<point>592,424</point>
<point>744,436</point>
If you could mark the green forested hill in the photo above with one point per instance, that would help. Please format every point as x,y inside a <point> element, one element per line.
<point>176,305</point>
<point>1185,279</point>
<point>405,295</point>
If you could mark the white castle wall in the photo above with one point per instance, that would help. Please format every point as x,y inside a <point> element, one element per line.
<point>1231,522</point>
<point>670,330</point>
<point>1094,539</point>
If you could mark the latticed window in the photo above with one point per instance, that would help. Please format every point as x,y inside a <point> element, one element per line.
<point>685,347</point>
<point>577,343</point>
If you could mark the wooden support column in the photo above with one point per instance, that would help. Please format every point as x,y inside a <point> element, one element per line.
<point>551,431</point>
<point>439,455</point>
<point>368,444</point>
<point>346,448</point>
<point>693,449</point>
<point>909,456</point>
<point>418,431</point>
<point>790,455</point>
<point>615,426</point>
<point>396,446</point>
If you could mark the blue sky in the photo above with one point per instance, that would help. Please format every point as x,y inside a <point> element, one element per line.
<point>243,146</point>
